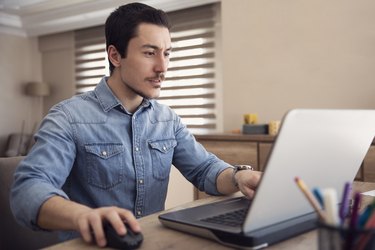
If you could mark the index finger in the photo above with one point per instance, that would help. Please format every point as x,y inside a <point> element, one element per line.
<point>130,219</point>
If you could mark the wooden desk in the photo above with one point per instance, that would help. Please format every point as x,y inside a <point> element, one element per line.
<point>158,237</point>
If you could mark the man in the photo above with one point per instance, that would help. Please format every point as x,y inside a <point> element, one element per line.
<point>106,155</point>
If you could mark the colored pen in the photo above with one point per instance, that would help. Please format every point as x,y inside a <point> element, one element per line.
<point>364,217</point>
<point>344,207</point>
<point>370,224</point>
<point>319,196</point>
<point>353,220</point>
<point>314,203</point>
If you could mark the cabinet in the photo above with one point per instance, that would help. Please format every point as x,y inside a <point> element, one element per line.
<point>254,150</point>
<point>238,148</point>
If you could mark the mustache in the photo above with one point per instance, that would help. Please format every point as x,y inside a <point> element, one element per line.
<point>158,77</point>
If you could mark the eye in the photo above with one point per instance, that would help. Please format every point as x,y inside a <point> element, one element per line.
<point>167,54</point>
<point>149,53</point>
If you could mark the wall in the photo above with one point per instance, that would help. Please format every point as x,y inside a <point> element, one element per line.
<point>20,62</point>
<point>58,66</point>
<point>22,59</point>
<point>180,191</point>
<point>279,55</point>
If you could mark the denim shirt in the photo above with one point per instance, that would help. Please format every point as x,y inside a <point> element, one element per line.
<point>90,150</point>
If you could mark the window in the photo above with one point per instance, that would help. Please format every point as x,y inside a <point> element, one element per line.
<point>191,85</point>
<point>90,58</point>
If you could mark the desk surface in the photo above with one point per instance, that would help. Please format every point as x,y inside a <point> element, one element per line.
<point>157,236</point>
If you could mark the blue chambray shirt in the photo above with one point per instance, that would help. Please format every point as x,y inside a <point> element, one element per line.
<point>89,149</point>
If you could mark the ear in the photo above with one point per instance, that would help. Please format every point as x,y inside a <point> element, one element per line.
<point>114,56</point>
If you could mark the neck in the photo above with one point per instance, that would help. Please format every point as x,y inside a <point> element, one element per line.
<point>128,98</point>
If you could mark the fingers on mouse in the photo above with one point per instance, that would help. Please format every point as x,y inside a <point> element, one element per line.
<point>131,240</point>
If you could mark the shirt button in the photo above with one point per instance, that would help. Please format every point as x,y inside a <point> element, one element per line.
<point>164,148</point>
<point>136,149</point>
<point>104,153</point>
<point>140,181</point>
<point>139,212</point>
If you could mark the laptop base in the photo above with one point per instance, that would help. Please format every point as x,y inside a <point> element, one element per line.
<point>256,239</point>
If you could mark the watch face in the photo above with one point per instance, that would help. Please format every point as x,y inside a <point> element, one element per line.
<point>243,167</point>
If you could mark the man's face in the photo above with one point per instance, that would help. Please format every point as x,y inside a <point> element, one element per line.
<point>142,70</point>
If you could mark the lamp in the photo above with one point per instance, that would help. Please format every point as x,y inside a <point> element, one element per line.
<point>37,89</point>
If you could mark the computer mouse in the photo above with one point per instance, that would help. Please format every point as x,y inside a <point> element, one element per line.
<point>131,240</point>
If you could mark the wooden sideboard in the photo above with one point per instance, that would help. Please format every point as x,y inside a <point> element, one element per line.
<point>254,150</point>
<point>239,148</point>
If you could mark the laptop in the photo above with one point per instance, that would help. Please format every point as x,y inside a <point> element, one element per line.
<point>324,147</point>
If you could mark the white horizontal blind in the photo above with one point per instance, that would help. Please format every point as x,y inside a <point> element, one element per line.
<point>190,85</point>
<point>90,58</point>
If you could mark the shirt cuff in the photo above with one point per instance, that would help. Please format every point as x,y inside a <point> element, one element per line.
<point>211,179</point>
<point>27,210</point>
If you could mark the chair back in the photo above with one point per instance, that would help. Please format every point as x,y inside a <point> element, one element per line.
<point>13,235</point>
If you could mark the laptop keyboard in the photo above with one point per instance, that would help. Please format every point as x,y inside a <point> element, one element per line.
<point>232,219</point>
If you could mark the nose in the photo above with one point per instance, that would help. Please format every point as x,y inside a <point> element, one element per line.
<point>161,64</point>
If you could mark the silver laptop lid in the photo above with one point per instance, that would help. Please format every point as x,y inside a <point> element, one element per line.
<point>325,148</point>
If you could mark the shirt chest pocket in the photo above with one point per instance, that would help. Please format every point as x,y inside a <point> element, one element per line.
<point>105,164</point>
<point>161,156</point>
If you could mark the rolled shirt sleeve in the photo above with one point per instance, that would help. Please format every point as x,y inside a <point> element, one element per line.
<point>44,170</point>
<point>198,165</point>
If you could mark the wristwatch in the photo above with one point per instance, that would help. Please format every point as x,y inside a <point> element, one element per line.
<point>237,168</point>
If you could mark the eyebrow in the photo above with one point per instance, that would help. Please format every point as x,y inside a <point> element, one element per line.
<point>147,46</point>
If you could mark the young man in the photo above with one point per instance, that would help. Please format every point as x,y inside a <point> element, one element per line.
<point>106,155</point>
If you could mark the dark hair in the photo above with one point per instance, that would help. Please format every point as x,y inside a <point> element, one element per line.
<point>122,25</point>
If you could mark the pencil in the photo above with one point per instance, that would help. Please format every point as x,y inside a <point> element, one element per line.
<point>314,203</point>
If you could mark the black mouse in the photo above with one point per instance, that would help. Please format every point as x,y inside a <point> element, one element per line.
<point>131,240</point>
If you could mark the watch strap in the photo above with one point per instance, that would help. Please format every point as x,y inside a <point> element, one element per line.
<point>237,168</point>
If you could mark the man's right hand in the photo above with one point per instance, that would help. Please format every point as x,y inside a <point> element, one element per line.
<point>58,213</point>
<point>90,223</point>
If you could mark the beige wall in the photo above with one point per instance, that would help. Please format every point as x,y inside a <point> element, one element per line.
<point>51,59</point>
<point>279,55</point>
<point>20,62</point>
<point>58,66</point>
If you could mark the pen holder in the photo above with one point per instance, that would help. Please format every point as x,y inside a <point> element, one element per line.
<point>340,238</point>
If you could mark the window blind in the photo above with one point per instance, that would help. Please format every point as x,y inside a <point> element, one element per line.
<point>190,88</point>
<point>90,58</point>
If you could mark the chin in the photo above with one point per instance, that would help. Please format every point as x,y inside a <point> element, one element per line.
<point>153,95</point>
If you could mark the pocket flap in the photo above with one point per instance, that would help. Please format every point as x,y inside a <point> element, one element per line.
<point>163,146</point>
<point>105,150</point>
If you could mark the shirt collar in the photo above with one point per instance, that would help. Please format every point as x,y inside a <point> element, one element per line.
<point>108,100</point>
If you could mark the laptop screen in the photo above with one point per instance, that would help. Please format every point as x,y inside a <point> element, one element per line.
<point>325,148</point>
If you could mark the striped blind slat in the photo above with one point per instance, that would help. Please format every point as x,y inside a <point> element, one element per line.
<point>191,106</point>
<point>189,57</point>
<point>188,96</point>
<point>204,35</point>
<point>190,85</point>
<point>206,86</point>
<point>203,65</point>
